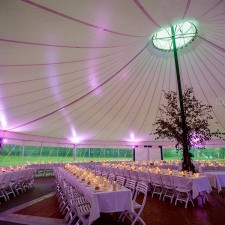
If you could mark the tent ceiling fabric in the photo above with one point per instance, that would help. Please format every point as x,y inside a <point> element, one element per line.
<point>86,69</point>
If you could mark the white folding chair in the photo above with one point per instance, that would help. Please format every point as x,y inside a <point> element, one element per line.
<point>131,184</point>
<point>4,185</point>
<point>168,187</point>
<point>48,170</point>
<point>121,172</point>
<point>72,195</point>
<point>83,213</point>
<point>104,174</point>
<point>12,184</point>
<point>157,185</point>
<point>139,201</point>
<point>134,175</point>
<point>120,180</point>
<point>111,177</point>
<point>142,176</point>
<point>183,190</point>
<point>30,179</point>
<point>41,170</point>
<point>126,173</point>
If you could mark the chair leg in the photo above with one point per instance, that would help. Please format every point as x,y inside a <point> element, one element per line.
<point>178,194</point>
<point>78,222</point>
<point>67,215</point>
<point>137,217</point>
<point>191,201</point>
<point>186,202</point>
<point>165,194</point>
<point>122,216</point>
<point>171,199</point>
<point>6,195</point>
<point>204,197</point>
<point>72,219</point>
<point>3,195</point>
<point>142,221</point>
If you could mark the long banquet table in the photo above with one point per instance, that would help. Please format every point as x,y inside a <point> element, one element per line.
<point>197,184</point>
<point>102,200</point>
<point>2,174</point>
<point>216,179</point>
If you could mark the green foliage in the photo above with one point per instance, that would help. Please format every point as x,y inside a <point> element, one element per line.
<point>217,154</point>
<point>198,119</point>
<point>17,155</point>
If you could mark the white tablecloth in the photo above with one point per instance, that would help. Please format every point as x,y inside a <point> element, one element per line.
<point>199,184</point>
<point>216,179</point>
<point>102,201</point>
<point>2,174</point>
<point>203,169</point>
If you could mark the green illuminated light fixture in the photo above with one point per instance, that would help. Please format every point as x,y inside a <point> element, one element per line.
<point>185,33</point>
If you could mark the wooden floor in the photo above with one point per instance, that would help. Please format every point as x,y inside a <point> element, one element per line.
<point>39,206</point>
<point>45,208</point>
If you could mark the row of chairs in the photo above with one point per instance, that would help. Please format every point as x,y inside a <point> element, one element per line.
<point>76,208</point>
<point>166,186</point>
<point>43,170</point>
<point>72,204</point>
<point>12,183</point>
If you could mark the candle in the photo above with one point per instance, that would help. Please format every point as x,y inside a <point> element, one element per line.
<point>114,186</point>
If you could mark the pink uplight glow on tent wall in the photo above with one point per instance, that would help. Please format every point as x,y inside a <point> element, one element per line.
<point>92,77</point>
<point>102,19</point>
<point>55,90</point>
<point>99,35</point>
<point>78,137</point>
<point>74,139</point>
<point>132,136</point>
<point>195,142</point>
<point>132,139</point>
<point>3,122</point>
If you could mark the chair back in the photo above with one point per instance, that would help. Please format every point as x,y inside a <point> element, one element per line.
<point>131,184</point>
<point>104,174</point>
<point>166,180</point>
<point>134,175</point>
<point>83,217</point>
<point>156,178</point>
<point>121,172</point>
<point>120,180</point>
<point>111,177</point>
<point>142,176</point>
<point>126,173</point>
<point>181,182</point>
<point>140,195</point>
<point>141,188</point>
<point>6,180</point>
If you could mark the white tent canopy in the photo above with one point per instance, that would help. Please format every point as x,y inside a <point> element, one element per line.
<point>87,72</point>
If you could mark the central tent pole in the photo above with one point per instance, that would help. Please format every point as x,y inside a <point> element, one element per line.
<point>183,117</point>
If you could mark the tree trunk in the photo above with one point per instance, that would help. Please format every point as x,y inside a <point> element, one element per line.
<point>186,159</point>
<point>187,162</point>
